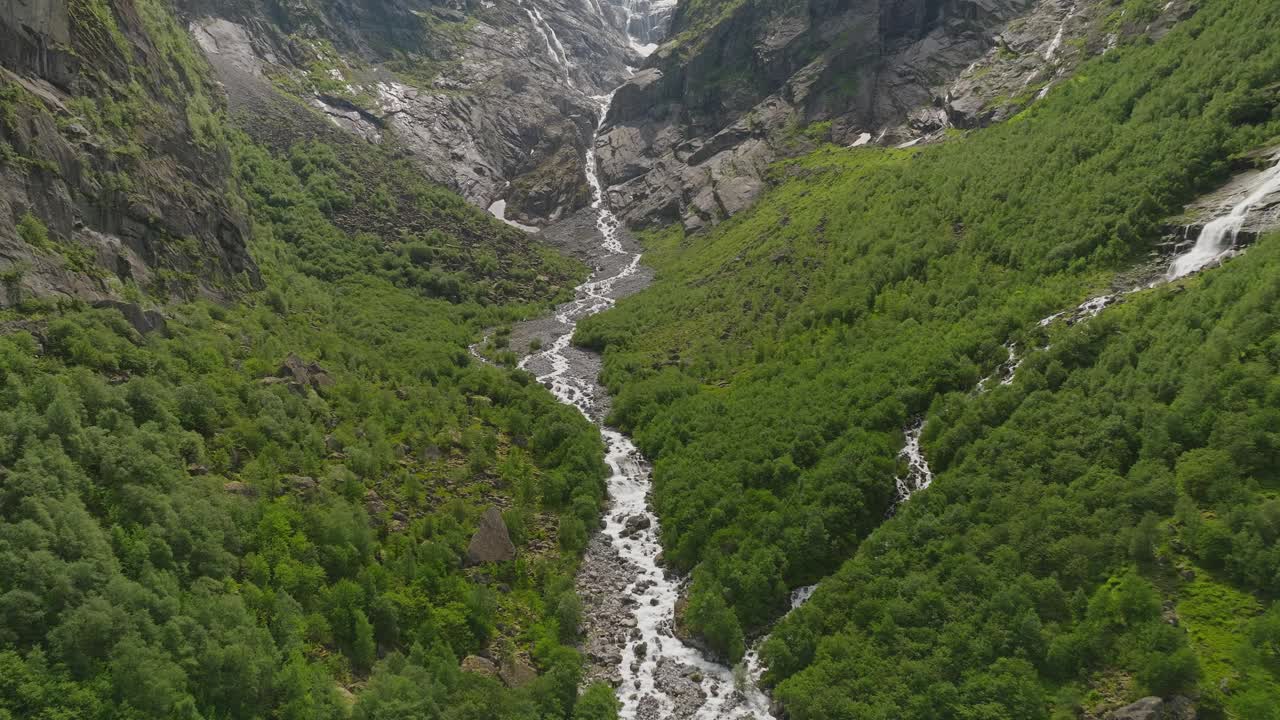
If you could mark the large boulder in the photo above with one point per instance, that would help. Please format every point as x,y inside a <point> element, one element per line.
<point>144,321</point>
<point>301,374</point>
<point>480,666</point>
<point>517,673</point>
<point>491,541</point>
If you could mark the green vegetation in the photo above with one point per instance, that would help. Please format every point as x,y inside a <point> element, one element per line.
<point>695,19</point>
<point>94,23</point>
<point>770,372</point>
<point>262,510</point>
<point>34,233</point>
<point>187,534</point>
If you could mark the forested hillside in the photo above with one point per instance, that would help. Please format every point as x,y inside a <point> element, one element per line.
<point>1103,527</point>
<point>262,508</point>
<point>253,465</point>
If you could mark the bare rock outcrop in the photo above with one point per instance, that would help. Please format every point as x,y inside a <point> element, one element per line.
<point>88,207</point>
<point>480,666</point>
<point>690,137</point>
<point>491,542</point>
<point>492,99</point>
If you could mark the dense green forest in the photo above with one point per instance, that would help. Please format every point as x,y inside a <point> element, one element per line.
<point>1103,528</point>
<point>261,510</point>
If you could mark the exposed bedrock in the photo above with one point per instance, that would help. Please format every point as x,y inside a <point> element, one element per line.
<point>689,136</point>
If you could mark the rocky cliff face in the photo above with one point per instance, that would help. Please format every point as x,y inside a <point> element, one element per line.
<point>741,84</point>
<point>646,22</point>
<point>112,170</point>
<point>492,98</point>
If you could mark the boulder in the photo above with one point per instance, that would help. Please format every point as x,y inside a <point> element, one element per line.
<point>235,487</point>
<point>635,524</point>
<point>298,484</point>
<point>301,375</point>
<point>639,95</point>
<point>144,321</point>
<point>517,673</point>
<point>491,541</point>
<point>374,504</point>
<point>480,666</point>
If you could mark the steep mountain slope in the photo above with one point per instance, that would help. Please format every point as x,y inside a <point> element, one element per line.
<point>932,367</point>
<point>490,99</point>
<point>743,83</point>
<point>308,500</point>
<point>775,367</point>
<point>112,172</point>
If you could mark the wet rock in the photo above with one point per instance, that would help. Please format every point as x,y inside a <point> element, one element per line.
<point>676,681</point>
<point>491,541</point>
<point>649,709</point>
<point>1263,216</point>
<point>507,117</point>
<point>684,147</point>
<point>635,524</point>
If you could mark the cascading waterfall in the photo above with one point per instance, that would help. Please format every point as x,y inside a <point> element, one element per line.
<point>754,666</point>
<point>652,652</point>
<point>918,476</point>
<point>1057,38</point>
<point>555,50</point>
<point>645,22</point>
<point>1218,239</point>
<point>1216,242</point>
<point>631,525</point>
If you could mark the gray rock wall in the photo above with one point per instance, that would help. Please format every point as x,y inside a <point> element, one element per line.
<point>146,203</point>
<point>492,99</point>
<point>690,136</point>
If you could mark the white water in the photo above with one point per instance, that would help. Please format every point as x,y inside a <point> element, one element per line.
<point>755,667</point>
<point>639,24</point>
<point>918,476</point>
<point>1006,370</point>
<point>1057,39</point>
<point>555,50</point>
<point>1217,240</point>
<point>629,485</point>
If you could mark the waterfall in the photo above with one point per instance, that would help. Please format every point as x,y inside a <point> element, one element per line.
<point>918,476</point>
<point>1217,240</point>
<point>644,21</point>
<point>652,655</point>
<point>1057,39</point>
<point>555,50</point>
